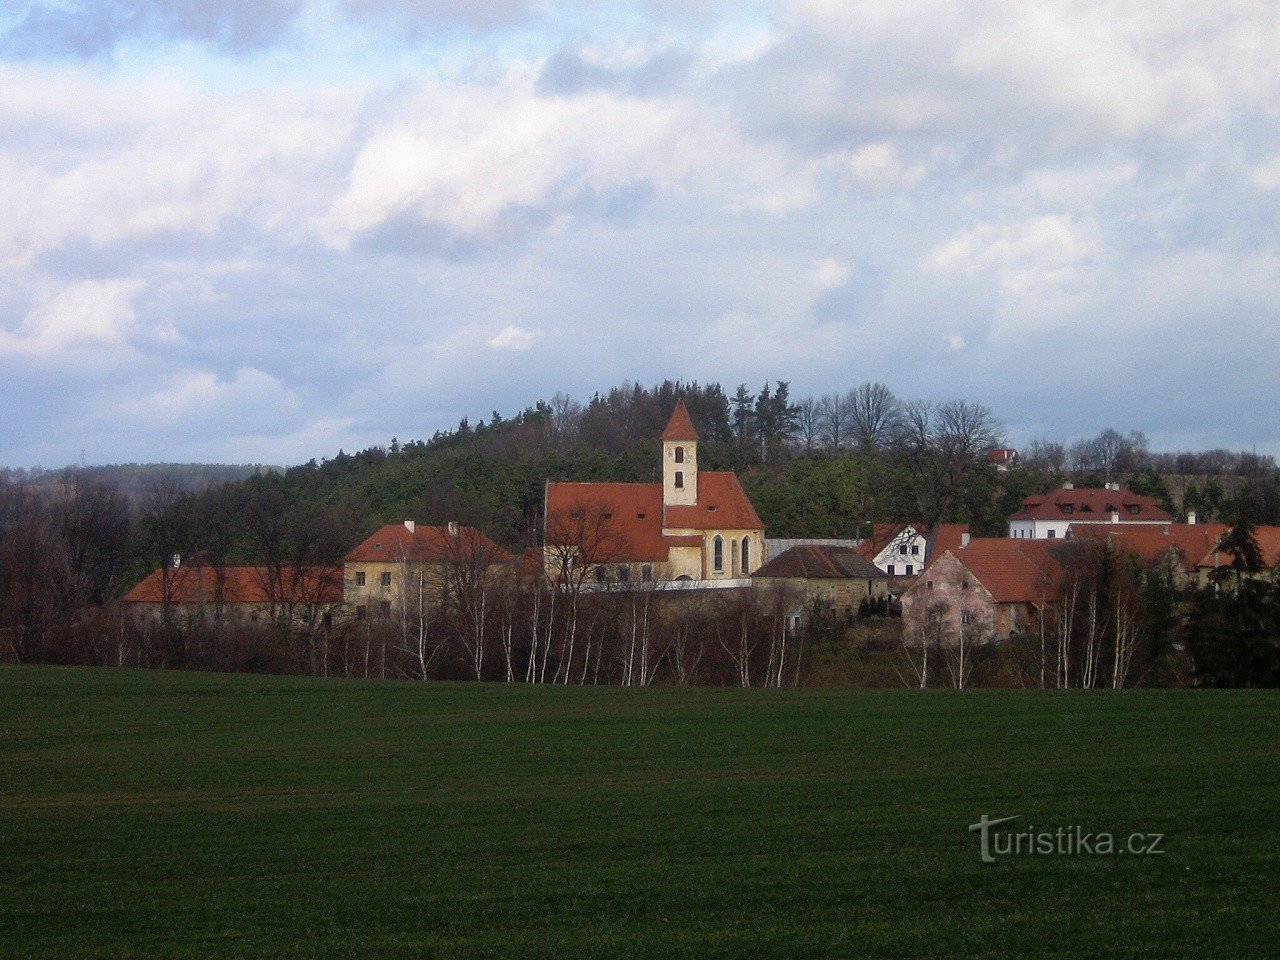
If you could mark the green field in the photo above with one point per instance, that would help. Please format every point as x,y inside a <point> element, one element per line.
<point>184,815</point>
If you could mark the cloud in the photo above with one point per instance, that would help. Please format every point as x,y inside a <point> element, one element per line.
<point>515,338</point>
<point>88,313</point>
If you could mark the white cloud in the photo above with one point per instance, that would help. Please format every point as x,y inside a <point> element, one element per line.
<point>91,312</point>
<point>1043,263</point>
<point>830,273</point>
<point>515,338</point>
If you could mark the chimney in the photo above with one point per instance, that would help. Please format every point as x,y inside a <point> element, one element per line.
<point>411,526</point>
<point>452,527</point>
<point>1115,516</point>
<point>964,540</point>
<point>1068,485</point>
<point>177,560</point>
<point>1191,518</point>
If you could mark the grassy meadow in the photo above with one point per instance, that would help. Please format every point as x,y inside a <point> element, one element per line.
<point>149,814</point>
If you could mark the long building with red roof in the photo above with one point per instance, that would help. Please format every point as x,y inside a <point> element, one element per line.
<point>201,588</point>
<point>694,525</point>
<point>1047,516</point>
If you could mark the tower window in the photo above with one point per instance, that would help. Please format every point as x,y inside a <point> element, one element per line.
<point>717,553</point>
<point>679,454</point>
<point>746,556</point>
<point>679,479</point>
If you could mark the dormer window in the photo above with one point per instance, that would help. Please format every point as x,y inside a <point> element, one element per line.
<point>1068,507</point>
<point>608,516</point>
<point>679,454</point>
<point>1134,508</point>
<point>711,508</point>
<point>640,516</point>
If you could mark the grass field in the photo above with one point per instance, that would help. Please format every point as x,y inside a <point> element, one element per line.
<point>185,815</point>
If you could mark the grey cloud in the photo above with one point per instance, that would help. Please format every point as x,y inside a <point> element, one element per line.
<point>568,72</point>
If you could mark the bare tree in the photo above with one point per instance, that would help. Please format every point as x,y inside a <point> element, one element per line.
<point>873,414</point>
<point>835,413</point>
<point>809,424</point>
<point>941,446</point>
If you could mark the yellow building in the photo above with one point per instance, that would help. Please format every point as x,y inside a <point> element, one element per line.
<point>694,525</point>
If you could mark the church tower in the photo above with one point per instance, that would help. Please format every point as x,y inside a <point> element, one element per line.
<point>679,460</point>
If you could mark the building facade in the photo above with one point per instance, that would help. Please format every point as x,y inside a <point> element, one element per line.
<point>694,525</point>
<point>1048,516</point>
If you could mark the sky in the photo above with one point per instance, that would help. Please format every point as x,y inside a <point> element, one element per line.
<point>265,230</point>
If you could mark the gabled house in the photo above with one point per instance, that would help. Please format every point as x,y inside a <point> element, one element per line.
<point>838,579</point>
<point>198,588</point>
<point>904,549</point>
<point>1002,458</point>
<point>1047,516</point>
<point>1188,554</point>
<point>694,525</point>
<point>412,556</point>
<point>984,589</point>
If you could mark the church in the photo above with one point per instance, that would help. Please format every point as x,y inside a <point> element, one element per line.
<point>694,525</point>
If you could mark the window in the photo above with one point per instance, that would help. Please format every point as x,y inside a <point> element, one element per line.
<point>717,553</point>
<point>646,572</point>
<point>1134,508</point>
<point>602,575</point>
<point>928,584</point>
<point>386,578</point>
<point>1050,534</point>
<point>964,584</point>
<point>746,556</point>
<point>910,569</point>
<point>966,618</point>
<point>360,611</point>
<point>902,550</point>
<point>915,549</point>
<point>679,454</point>
<point>679,479</point>
<point>359,578</point>
<point>1068,507</point>
<point>385,608</point>
<point>891,570</point>
<point>624,573</point>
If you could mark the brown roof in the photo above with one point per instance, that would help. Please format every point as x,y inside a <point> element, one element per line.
<point>199,583</point>
<point>1268,543</point>
<point>1190,543</point>
<point>1091,503</point>
<point>623,520</point>
<point>1013,571</point>
<point>395,543</point>
<point>680,426</point>
<point>817,562</point>
<point>998,455</point>
<point>722,505</point>
<point>626,521</point>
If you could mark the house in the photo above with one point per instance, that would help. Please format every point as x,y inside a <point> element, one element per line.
<point>695,525</point>
<point>414,557</point>
<point>1187,553</point>
<point>1047,516</point>
<point>198,588</point>
<point>904,549</point>
<point>984,589</point>
<point>834,577</point>
<point>1002,458</point>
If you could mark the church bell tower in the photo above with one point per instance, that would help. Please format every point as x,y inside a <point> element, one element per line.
<point>679,460</point>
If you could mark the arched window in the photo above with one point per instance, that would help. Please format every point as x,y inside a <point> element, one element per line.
<point>746,556</point>
<point>717,554</point>
<point>679,454</point>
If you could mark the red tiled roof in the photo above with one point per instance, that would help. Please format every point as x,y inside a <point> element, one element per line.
<point>680,426</point>
<point>1190,543</point>
<point>198,583</point>
<point>1091,503</point>
<point>395,543</point>
<point>1268,543</point>
<point>819,562</point>
<point>722,505</point>
<point>1013,571</point>
<point>623,521</point>
<point>1000,455</point>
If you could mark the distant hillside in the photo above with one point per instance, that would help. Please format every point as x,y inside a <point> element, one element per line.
<point>135,480</point>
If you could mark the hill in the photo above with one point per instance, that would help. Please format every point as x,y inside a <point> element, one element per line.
<point>184,815</point>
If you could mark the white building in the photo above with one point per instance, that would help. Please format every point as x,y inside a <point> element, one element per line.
<point>1047,516</point>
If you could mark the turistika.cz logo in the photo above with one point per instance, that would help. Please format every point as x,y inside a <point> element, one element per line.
<point>1070,841</point>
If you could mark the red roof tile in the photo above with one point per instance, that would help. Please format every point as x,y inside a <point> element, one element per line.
<point>395,543</point>
<point>680,426</point>
<point>1013,571</point>
<point>198,583</point>
<point>722,505</point>
<point>1189,543</point>
<point>1091,503</point>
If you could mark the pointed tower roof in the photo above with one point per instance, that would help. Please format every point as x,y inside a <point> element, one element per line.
<point>680,427</point>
